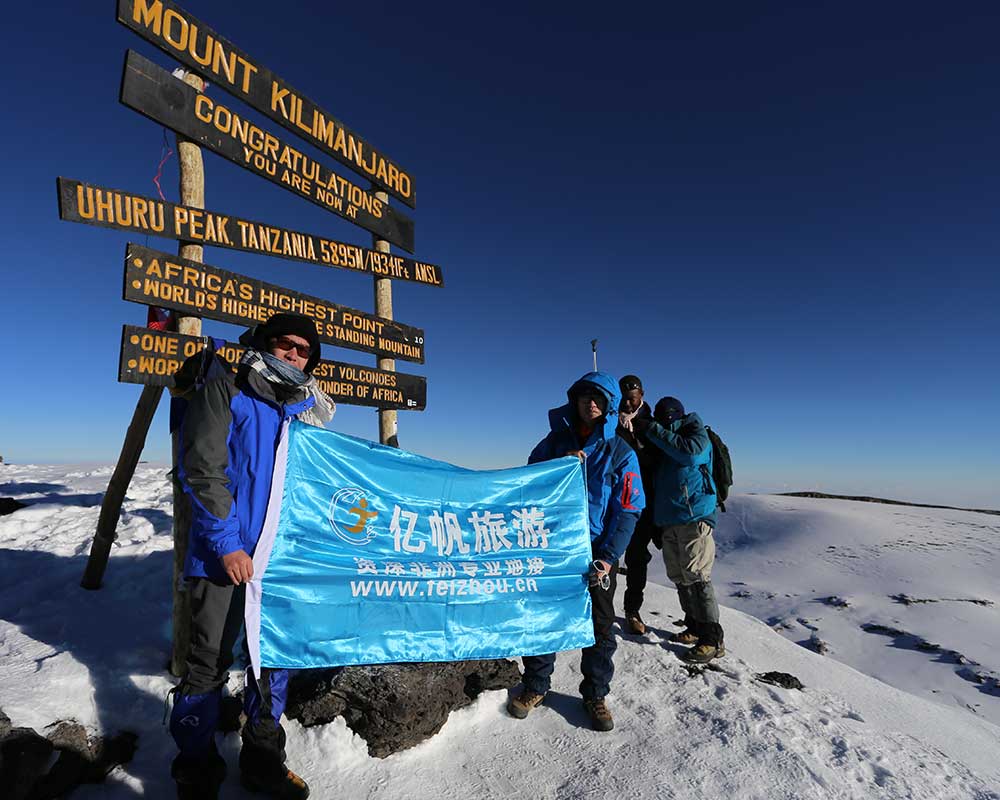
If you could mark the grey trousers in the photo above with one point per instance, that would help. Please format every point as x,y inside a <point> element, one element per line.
<point>688,555</point>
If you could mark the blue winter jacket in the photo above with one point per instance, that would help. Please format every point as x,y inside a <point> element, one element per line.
<point>614,486</point>
<point>229,436</point>
<point>685,491</point>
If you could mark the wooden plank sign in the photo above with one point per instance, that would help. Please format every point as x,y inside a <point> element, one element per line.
<point>125,211</point>
<point>160,279</point>
<point>155,93</point>
<point>201,49</point>
<point>152,357</point>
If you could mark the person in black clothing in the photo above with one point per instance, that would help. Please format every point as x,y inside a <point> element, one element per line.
<point>637,557</point>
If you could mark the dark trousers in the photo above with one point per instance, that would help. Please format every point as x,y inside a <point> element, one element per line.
<point>597,661</point>
<point>637,558</point>
<point>216,621</point>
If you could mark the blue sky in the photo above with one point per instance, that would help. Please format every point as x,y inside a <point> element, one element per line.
<point>784,214</point>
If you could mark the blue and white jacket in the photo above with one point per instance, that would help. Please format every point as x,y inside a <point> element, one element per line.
<point>614,485</point>
<point>229,436</point>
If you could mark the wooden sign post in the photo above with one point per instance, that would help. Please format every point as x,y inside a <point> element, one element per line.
<point>192,194</point>
<point>193,289</point>
<point>387,423</point>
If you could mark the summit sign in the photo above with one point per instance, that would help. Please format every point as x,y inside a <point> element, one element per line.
<point>198,47</point>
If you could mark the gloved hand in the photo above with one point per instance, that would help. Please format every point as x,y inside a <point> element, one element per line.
<point>641,424</point>
<point>656,537</point>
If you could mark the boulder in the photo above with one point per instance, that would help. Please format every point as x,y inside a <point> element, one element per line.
<point>8,505</point>
<point>782,679</point>
<point>25,758</point>
<point>394,706</point>
<point>82,758</point>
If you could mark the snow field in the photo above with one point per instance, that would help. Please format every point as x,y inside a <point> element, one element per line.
<point>100,657</point>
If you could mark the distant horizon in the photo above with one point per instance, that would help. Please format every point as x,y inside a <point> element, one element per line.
<point>735,490</point>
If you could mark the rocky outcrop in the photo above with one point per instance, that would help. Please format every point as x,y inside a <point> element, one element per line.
<point>25,756</point>
<point>8,505</point>
<point>394,706</point>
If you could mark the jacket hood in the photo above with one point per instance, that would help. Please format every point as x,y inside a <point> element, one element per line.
<point>565,416</point>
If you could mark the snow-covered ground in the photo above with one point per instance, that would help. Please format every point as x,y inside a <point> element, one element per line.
<point>878,585</point>
<point>99,657</point>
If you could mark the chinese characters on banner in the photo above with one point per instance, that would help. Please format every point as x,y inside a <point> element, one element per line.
<point>376,555</point>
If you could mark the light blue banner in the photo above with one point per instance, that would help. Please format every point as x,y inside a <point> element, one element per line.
<point>379,555</point>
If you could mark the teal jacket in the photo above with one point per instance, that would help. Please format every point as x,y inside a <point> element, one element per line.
<point>685,491</point>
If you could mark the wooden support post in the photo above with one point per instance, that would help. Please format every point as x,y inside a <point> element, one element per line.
<point>192,193</point>
<point>111,506</point>
<point>387,421</point>
<point>192,178</point>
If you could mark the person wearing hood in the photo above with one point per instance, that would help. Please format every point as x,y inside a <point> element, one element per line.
<point>228,439</point>
<point>685,512</point>
<point>585,427</point>
<point>634,407</point>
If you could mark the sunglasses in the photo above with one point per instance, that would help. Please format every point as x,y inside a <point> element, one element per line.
<point>632,386</point>
<point>284,343</point>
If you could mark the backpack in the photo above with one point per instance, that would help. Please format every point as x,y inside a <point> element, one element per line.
<point>722,467</point>
<point>203,367</point>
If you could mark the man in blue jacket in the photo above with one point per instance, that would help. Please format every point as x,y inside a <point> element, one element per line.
<point>685,511</point>
<point>585,427</point>
<point>229,436</point>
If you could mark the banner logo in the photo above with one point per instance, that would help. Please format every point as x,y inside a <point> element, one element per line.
<point>351,516</point>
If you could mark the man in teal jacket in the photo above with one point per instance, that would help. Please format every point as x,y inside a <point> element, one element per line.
<point>585,427</point>
<point>685,510</point>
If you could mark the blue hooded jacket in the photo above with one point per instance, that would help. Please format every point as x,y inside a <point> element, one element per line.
<point>614,485</point>
<point>685,491</point>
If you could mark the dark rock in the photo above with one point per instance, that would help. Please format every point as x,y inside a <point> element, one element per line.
<point>82,758</point>
<point>882,630</point>
<point>394,706</point>
<point>24,758</point>
<point>782,679</point>
<point>8,505</point>
<point>906,600</point>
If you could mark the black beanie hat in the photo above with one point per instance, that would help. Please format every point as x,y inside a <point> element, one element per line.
<point>259,337</point>
<point>667,410</point>
<point>630,382</point>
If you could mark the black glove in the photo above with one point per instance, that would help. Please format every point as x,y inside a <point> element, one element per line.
<point>656,537</point>
<point>640,425</point>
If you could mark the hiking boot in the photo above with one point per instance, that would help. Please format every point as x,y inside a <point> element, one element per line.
<point>199,778</point>
<point>687,636</point>
<point>703,653</point>
<point>634,623</point>
<point>284,787</point>
<point>600,716</point>
<point>520,706</point>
